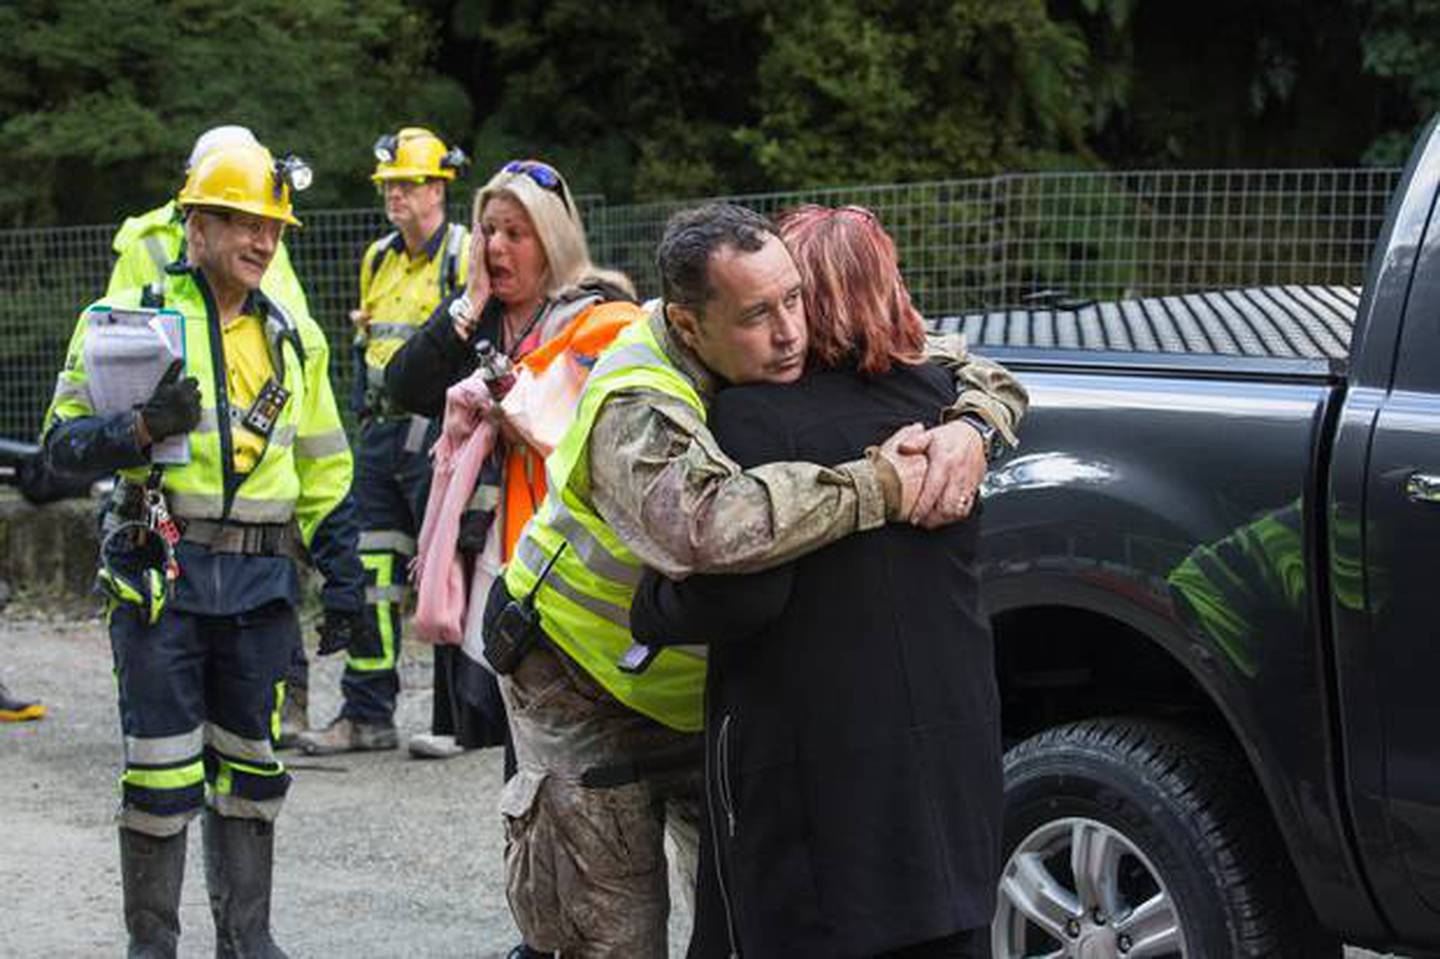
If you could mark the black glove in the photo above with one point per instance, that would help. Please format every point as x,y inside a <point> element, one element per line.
<point>355,633</point>
<point>174,407</point>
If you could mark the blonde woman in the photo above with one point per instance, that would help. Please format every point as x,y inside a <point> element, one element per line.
<point>530,276</point>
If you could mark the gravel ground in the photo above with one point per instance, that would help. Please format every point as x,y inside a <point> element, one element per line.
<point>378,855</point>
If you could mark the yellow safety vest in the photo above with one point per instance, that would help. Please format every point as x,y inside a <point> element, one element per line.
<point>400,291</point>
<point>584,602</point>
<point>303,471</point>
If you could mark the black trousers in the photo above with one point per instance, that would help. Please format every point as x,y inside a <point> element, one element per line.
<point>453,715</point>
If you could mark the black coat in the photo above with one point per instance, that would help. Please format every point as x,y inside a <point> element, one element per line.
<point>852,719</point>
<point>435,358</point>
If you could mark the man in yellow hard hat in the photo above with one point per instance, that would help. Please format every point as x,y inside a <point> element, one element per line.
<point>404,276</point>
<point>198,557</point>
<point>145,245</point>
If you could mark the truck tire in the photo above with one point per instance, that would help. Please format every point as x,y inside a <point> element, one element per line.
<point>1173,842</point>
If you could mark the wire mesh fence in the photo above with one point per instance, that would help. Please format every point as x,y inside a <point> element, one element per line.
<point>965,245</point>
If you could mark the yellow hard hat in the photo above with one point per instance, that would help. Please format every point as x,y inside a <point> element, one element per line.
<point>246,178</point>
<point>416,154</point>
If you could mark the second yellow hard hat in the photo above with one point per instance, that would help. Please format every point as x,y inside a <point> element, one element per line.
<point>415,154</point>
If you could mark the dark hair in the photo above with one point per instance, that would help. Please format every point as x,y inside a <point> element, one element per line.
<point>691,236</point>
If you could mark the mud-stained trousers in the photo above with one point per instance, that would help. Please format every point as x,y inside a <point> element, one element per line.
<point>199,702</point>
<point>392,482</point>
<point>585,864</point>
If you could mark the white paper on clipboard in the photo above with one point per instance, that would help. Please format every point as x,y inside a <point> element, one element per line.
<point>127,351</point>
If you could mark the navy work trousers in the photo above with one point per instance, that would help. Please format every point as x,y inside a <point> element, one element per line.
<point>392,482</point>
<point>198,709</point>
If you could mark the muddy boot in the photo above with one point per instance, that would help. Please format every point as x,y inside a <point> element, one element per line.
<point>294,717</point>
<point>151,872</point>
<point>239,859</point>
<point>346,735</point>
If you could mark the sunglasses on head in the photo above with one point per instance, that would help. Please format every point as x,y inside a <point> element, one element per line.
<point>544,176</point>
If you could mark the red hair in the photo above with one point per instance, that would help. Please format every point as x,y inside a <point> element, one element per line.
<point>856,303</point>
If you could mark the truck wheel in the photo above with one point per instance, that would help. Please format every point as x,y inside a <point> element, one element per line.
<point>1130,839</point>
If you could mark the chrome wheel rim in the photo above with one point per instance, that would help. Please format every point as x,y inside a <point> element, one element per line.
<point>1076,888</point>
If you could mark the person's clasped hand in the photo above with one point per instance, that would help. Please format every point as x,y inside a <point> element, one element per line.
<point>955,459</point>
<point>905,472</point>
<point>174,407</point>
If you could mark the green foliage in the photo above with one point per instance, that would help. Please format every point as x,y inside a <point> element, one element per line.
<point>1401,43</point>
<point>655,99</point>
<point>637,100</point>
<point>103,98</point>
<point>885,90</point>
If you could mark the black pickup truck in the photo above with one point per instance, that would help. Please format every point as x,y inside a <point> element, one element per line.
<point>1210,570</point>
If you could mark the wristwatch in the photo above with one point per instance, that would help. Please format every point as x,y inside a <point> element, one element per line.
<point>989,435</point>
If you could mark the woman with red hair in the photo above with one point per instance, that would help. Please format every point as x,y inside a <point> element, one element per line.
<point>852,719</point>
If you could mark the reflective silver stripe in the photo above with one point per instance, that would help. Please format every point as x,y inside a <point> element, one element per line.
<point>387,540</point>
<point>386,594</point>
<point>534,559</point>
<point>152,825</point>
<point>165,750</point>
<point>237,747</point>
<point>486,497</point>
<point>283,436</point>
<point>70,390</point>
<point>597,558</point>
<point>375,376</point>
<point>321,445</point>
<point>626,357</point>
<point>156,251</point>
<point>209,420</point>
<point>415,435</point>
<point>238,807</point>
<point>195,505</point>
<point>392,331</point>
<point>261,510</point>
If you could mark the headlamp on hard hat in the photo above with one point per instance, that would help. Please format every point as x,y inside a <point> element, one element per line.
<point>294,171</point>
<point>386,148</point>
<point>454,159</point>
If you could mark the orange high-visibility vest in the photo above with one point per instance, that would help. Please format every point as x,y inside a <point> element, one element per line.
<point>523,475</point>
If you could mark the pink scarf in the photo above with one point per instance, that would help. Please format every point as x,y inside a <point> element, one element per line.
<point>464,443</point>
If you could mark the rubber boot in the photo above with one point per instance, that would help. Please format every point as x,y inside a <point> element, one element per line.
<point>152,870</point>
<point>239,859</point>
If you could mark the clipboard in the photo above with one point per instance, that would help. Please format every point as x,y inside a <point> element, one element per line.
<point>127,351</point>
